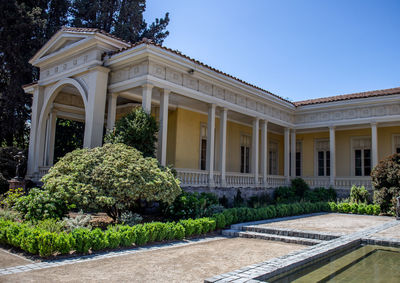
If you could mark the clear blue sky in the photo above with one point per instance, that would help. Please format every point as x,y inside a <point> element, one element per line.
<point>298,49</point>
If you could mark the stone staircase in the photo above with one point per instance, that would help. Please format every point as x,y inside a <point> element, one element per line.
<point>308,238</point>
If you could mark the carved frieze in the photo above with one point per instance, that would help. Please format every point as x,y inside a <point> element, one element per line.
<point>174,76</point>
<point>218,92</point>
<point>190,82</point>
<point>349,114</point>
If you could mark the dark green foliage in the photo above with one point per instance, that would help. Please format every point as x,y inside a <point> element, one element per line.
<point>40,204</point>
<point>320,194</point>
<point>137,129</point>
<point>142,235</point>
<point>259,200</point>
<point>220,220</point>
<point>299,186</point>
<point>113,237</point>
<point>238,201</point>
<point>64,243</point>
<point>123,18</point>
<point>359,194</point>
<point>192,205</point>
<point>285,195</point>
<point>386,183</point>
<point>224,201</point>
<point>47,243</point>
<point>69,136</point>
<point>8,164</point>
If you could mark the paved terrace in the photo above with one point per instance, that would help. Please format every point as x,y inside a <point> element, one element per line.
<point>195,260</point>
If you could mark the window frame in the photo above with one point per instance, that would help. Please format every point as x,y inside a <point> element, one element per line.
<point>203,137</point>
<point>353,148</point>
<point>247,153</point>
<point>273,142</point>
<point>395,143</point>
<point>325,148</point>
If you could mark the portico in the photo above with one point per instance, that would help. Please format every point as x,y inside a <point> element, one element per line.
<point>216,130</point>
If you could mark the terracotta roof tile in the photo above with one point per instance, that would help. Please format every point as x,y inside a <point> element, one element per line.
<point>374,93</point>
<point>93,30</point>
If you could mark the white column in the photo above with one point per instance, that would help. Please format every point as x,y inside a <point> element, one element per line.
<point>222,151</point>
<point>146,97</point>
<point>162,135</point>
<point>293,154</point>
<point>332,149</point>
<point>112,110</point>
<point>52,137</point>
<point>374,144</point>
<point>254,150</point>
<point>264,151</point>
<point>210,144</point>
<point>96,107</point>
<point>47,143</point>
<point>37,102</point>
<point>286,154</point>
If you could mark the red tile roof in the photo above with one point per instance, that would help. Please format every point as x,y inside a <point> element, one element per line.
<point>93,30</point>
<point>373,93</point>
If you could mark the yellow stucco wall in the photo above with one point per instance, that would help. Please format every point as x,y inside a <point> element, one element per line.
<point>385,140</point>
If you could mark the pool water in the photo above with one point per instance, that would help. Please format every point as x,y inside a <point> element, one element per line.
<point>362,264</point>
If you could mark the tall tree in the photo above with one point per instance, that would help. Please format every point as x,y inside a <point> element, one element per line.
<point>25,25</point>
<point>123,18</point>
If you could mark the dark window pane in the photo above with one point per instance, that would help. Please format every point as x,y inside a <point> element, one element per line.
<point>321,163</point>
<point>357,163</point>
<point>242,159</point>
<point>203,154</point>
<point>247,160</point>
<point>398,150</point>
<point>328,163</point>
<point>298,163</point>
<point>367,162</point>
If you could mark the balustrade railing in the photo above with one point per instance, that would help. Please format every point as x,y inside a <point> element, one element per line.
<point>199,178</point>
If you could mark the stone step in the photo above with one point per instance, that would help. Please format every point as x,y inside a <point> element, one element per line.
<point>271,237</point>
<point>291,232</point>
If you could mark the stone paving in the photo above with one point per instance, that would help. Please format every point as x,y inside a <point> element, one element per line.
<point>99,256</point>
<point>264,270</point>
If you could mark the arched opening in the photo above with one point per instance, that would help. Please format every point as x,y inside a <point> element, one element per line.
<point>62,123</point>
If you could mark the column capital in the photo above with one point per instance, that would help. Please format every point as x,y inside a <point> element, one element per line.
<point>166,90</point>
<point>212,105</point>
<point>332,127</point>
<point>374,123</point>
<point>147,85</point>
<point>113,95</point>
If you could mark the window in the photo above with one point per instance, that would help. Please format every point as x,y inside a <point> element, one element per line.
<point>244,154</point>
<point>323,156</point>
<point>396,143</point>
<point>203,147</point>
<point>361,156</point>
<point>273,158</point>
<point>298,158</point>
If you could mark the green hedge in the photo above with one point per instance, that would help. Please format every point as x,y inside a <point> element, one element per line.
<point>39,241</point>
<point>355,208</point>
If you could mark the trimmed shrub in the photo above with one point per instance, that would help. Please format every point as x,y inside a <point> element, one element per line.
<point>142,234</point>
<point>386,182</point>
<point>47,243</point>
<point>285,195</point>
<point>98,239</point>
<point>40,204</point>
<point>359,194</point>
<point>110,178</point>
<point>113,237</point>
<point>192,205</point>
<point>82,239</point>
<point>64,243</point>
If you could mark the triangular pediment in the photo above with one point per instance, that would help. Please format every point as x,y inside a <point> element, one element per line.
<point>68,39</point>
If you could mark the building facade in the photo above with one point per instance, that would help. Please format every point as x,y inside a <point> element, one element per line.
<point>216,130</point>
